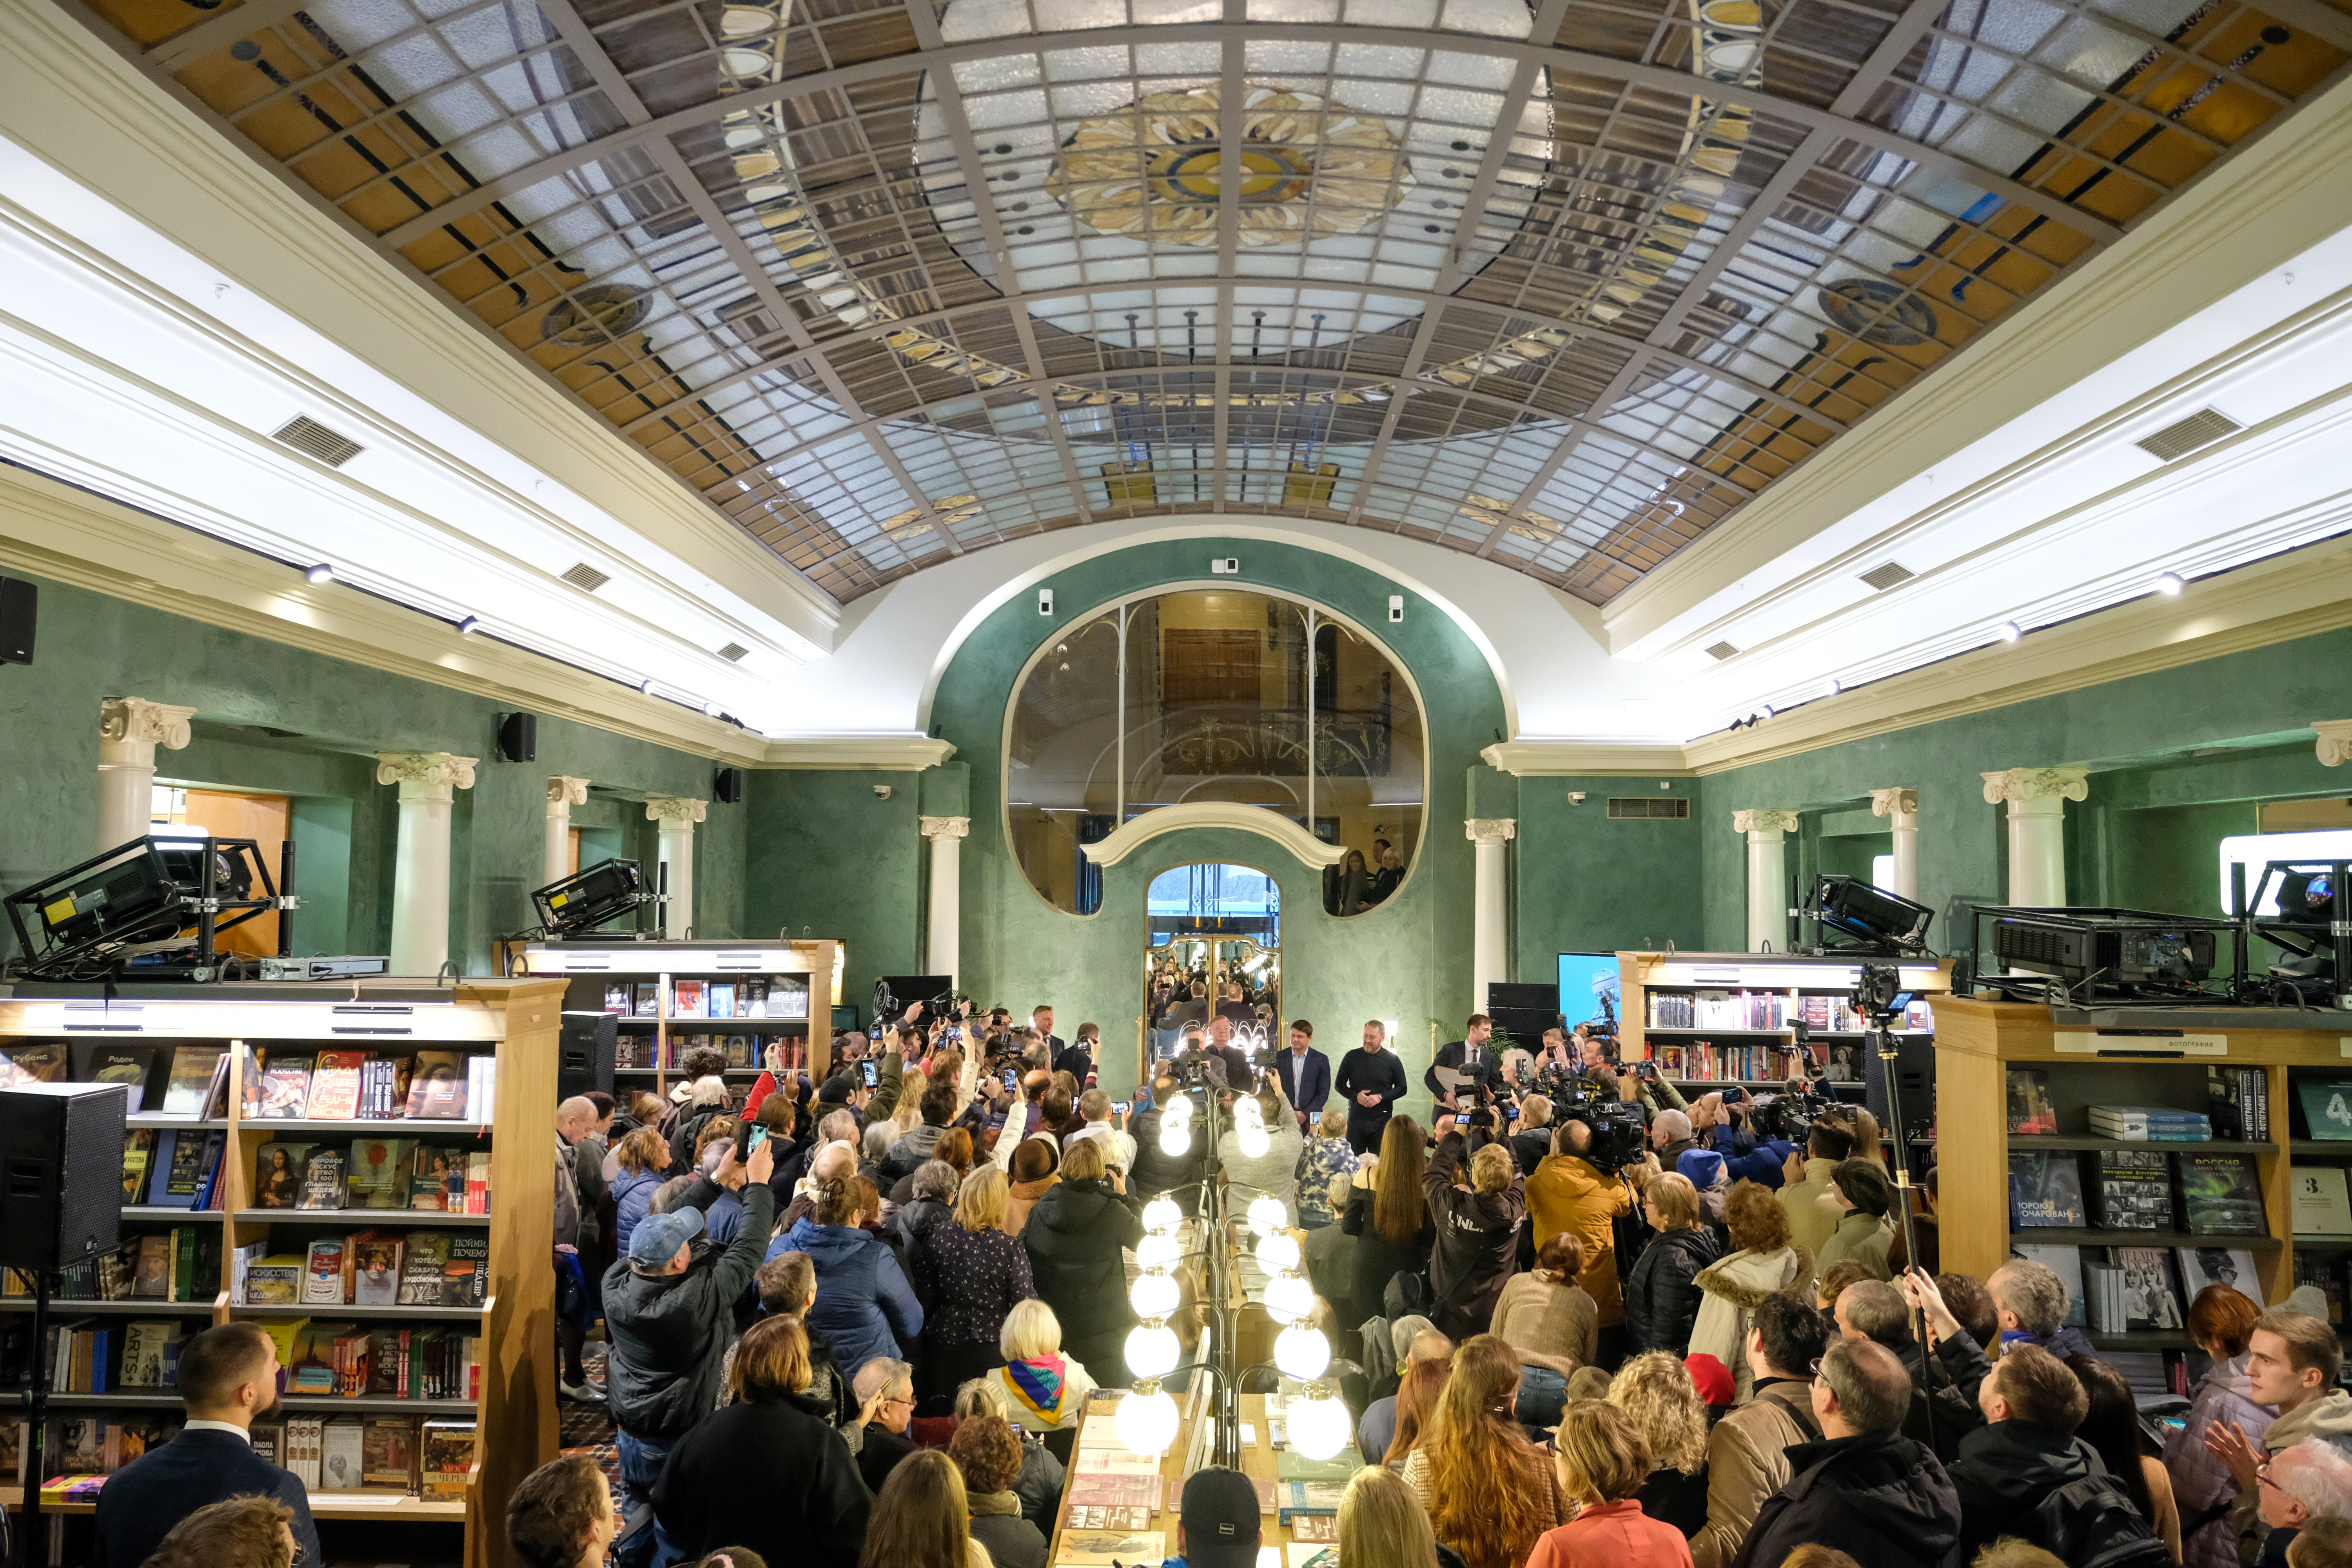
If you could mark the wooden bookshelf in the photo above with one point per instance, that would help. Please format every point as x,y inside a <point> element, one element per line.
<point>588,966</point>
<point>517,1021</point>
<point>1781,980</point>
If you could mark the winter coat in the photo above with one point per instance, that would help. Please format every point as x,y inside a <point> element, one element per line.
<point>770,1476</point>
<point>1331,1259</point>
<point>1377,1259</point>
<point>1956,1375</point>
<point>669,1332</point>
<point>914,1221</point>
<point>588,1177</point>
<point>1020,1197</point>
<point>1865,1240</point>
<point>1477,1243</point>
<point>1611,1535</point>
<point>1747,1461</point>
<point>996,1523</point>
<point>976,1277</point>
<point>2200,1481</point>
<point>632,1196</point>
<point>864,1306</point>
<point>567,1195</point>
<point>1318,1161</point>
<point>690,1123</point>
<point>1879,1498</point>
<point>1075,1237</point>
<point>1812,1213</point>
<point>2007,1470</point>
<point>1549,1323</point>
<point>1661,1293</point>
<point>1730,1291</point>
<point>1042,1478</point>
<point>907,1153</point>
<point>1568,1193</point>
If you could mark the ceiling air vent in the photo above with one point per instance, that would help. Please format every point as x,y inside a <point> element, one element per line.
<point>1887,573</point>
<point>333,448</point>
<point>1721,650</point>
<point>2201,428</point>
<point>734,651</point>
<point>1653,807</point>
<point>586,576</point>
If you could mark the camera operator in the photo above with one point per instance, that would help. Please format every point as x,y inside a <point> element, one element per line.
<point>1570,1193</point>
<point>1470,1057</point>
<point>1530,1140</point>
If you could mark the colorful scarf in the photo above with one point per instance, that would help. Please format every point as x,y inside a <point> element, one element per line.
<point>1038,1385</point>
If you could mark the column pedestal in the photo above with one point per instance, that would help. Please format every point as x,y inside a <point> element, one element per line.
<point>1768,875</point>
<point>677,817</point>
<point>428,783</point>
<point>1901,809</point>
<point>563,792</point>
<point>2037,799</point>
<point>945,954</point>
<point>1491,914</point>
<point>129,731</point>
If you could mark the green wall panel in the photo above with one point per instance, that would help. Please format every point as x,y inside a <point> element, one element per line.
<point>828,855</point>
<point>1588,883</point>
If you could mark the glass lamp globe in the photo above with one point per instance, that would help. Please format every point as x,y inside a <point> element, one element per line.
<point>1147,1421</point>
<point>1175,1137</point>
<point>1179,1110</point>
<point>1162,1214</point>
<point>1278,1253</point>
<point>1151,1351</point>
<point>1153,1295</point>
<point>1158,1252</point>
<point>1302,1352</point>
<point>1252,1138</point>
<point>1266,1214</point>
<point>1289,1299</point>
<point>1319,1427</point>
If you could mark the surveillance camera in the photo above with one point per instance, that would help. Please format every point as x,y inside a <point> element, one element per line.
<point>881,792</point>
<point>1576,797</point>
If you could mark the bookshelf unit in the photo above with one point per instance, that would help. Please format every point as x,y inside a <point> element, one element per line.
<point>1755,995</point>
<point>516,1428</point>
<point>803,974</point>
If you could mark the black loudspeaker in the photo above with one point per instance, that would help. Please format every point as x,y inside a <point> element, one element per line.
<point>728,785</point>
<point>583,1054</point>
<point>60,1173</point>
<point>19,601</point>
<point>518,737</point>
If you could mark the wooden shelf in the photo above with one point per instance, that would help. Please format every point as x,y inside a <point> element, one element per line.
<point>61,1310</point>
<point>2069,1141</point>
<point>386,1506</point>
<point>2325,1242</point>
<point>728,1072</point>
<point>141,1398</point>
<point>1729,1082</point>
<point>158,1120</point>
<point>1712,1034</point>
<point>385,1219</point>
<point>169,1212</point>
<point>328,1310</point>
<point>2055,1235</point>
<point>2326,1147</point>
<point>304,1403</point>
<point>371,1126</point>
<point>713,1025</point>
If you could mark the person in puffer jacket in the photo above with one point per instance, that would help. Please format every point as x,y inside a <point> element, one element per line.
<point>2221,1319</point>
<point>1662,1296</point>
<point>644,1160</point>
<point>1074,1239</point>
<point>864,1309</point>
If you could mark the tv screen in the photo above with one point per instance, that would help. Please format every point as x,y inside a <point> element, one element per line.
<point>1588,986</point>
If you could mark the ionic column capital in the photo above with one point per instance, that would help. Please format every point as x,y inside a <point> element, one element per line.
<point>673,811</point>
<point>424,775</point>
<point>1490,829</point>
<point>562,789</point>
<point>2018,785</point>
<point>2334,742</point>
<point>1765,820</point>
<point>946,826</point>
<point>137,720</point>
<point>1893,803</point>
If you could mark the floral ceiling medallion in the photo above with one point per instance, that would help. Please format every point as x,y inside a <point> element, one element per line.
<point>1155,169</point>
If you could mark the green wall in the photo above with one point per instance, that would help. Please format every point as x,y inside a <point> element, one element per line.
<point>328,716</point>
<point>1588,882</point>
<point>827,854</point>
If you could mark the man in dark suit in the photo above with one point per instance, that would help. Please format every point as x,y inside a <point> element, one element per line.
<point>1470,1056</point>
<point>228,1380</point>
<point>1306,1072</point>
<point>1373,1081</point>
<point>1042,1020</point>
<point>1238,1068</point>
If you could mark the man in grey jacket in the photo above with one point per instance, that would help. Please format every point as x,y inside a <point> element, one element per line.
<point>1747,1459</point>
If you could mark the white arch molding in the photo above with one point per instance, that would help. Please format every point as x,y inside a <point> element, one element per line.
<point>1133,835</point>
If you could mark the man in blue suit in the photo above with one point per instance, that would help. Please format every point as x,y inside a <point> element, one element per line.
<point>228,1380</point>
<point>1305,1073</point>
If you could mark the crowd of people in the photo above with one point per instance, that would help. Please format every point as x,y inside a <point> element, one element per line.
<point>857,1324</point>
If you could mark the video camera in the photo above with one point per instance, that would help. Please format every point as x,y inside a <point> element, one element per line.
<point>1790,1116</point>
<point>1619,1133</point>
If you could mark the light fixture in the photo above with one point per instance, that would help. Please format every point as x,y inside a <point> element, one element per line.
<point>1175,1137</point>
<point>646,686</point>
<point>1277,1253</point>
<point>1179,1110</point>
<point>711,709</point>
<point>322,573</point>
<point>1151,1351</point>
<point>1288,1297</point>
<point>1302,1352</point>
<point>2009,631</point>
<point>1318,1426</point>
<point>1266,1214</point>
<point>1836,686</point>
<point>2170,582</point>
<point>1154,1295</point>
<point>1249,1129</point>
<point>1768,711</point>
<point>1162,1214</point>
<point>1147,1419</point>
<point>470,623</point>
<point>1158,1254</point>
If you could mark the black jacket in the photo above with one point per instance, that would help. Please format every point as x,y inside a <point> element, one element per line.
<point>145,1499</point>
<point>910,1222</point>
<point>2006,1472</point>
<point>1879,1498</point>
<point>1380,1073</point>
<point>1377,1259</point>
<point>1477,1243</point>
<point>772,1477</point>
<point>1530,1149</point>
<point>1957,1371</point>
<point>669,1333</point>
<point>1661,1298</point>
<point>1074,1235</point>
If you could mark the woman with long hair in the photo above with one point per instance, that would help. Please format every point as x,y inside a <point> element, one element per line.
<point>2221,1321</point>
<point>2111,1427</point>
<point>1655,1391</point>
<point>1662,1294</point>
<point>978,1274</point>
<point>1382,1524</point>
<point>1551,1321</point>
<point>1417,1407</point>
<point>1490,1493</point>
<point>1601,1457</point>
<point>922,1517</point>
<point>1389,1215</point>
<point>643,1161</point>
<point>1762,1262</point>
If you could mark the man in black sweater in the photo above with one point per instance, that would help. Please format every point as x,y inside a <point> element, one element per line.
<point>228,1380</point>
<point>1372,1080</point>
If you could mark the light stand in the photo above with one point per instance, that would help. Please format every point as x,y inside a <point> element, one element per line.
<point>1875,997</point>
<point>30,1465</point>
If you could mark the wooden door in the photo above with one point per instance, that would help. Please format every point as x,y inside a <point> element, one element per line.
<point>265,818</point>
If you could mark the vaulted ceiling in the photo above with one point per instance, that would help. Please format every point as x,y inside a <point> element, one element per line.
<point>1560,288</point>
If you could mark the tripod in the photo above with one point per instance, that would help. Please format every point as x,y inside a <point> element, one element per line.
<point>1875,998</point>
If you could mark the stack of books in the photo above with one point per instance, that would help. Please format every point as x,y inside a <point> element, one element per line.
<point>2150,1124</point>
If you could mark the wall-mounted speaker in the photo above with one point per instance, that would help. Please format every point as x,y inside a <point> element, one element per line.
<point>518,737</point>
<point>60,1173</point>
<point>584,1051</point>
<point>18,602</point>
<point>728,786</point>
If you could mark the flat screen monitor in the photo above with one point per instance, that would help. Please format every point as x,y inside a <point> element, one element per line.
<point>1588,987</point>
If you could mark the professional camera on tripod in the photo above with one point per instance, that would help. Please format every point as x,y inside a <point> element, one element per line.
<point>1616,1126</point>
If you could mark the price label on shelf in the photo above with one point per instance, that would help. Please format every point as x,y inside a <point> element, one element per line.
<point>2151,1043</point>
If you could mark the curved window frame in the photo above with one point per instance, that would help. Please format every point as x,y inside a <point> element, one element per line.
<point>1316,610</point>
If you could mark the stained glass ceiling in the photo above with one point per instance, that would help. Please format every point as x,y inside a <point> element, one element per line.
<point>1560,286</point>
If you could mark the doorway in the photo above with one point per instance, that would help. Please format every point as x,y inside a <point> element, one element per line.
<point>1212,944</point>
<point>228,814</point>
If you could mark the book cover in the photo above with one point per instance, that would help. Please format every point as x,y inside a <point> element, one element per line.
<point>341,1467</point>
<point>2319,1204</point>
<point>1105,1516</point>
<point>2045,1189</point>
<point>448,1456</point>
<point>335,1085</point>
<point>285,1085</point>
<point>311,1370</point>
<point>275,1281</point>
<point>2226,1266</point>
<point>404,1074</point>
<point>143,1351</point>
<point>429,1179</point>
<point>1094,1489</point>
<point>1298,1553</point>
<point>376,1258</point>
<point>437,1089</point>
<point>2220,1197</point>
<point>720,996</point>
<point>388,1453</point>
<point>2328,1107</point>
<point>686,1000</point>
<point>2325,1272</point>
<point>322,1273</point>
<point>2151,1304</point>
<point>48,1062</point>
<point>324,1179</point>
<point>278,1174</point>
<point>126,1065</point>
<point>184,1170</point>
<point>616,997</point>
<point>380,1172</point>
<point>1321,1529</point>
<point>2134,1193</point>
<point>191,1080</point>
<point>2029,1101</point>
<point>152,1275</point>
<point>138,1153</point>
<point>2225,1102</point>
<point>423,1269</point>
<point>465,1278</point>
<point>1110,1548</point>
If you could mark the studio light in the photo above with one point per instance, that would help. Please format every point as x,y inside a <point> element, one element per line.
<point>1278,1253</point>
<point>2170,582</point>
<point>1147,1420</point>
<point>1162,1214</point>
<point>1266,1214</point>
<point>1768,711</point>
<point>1153,1295</point>
<point>1302,1352</point>
<point>1179,1110</point>
<point>2009,631</point>
<point>1249,1129</point>
<point>1158,1254</point>
<point>1319,1427</point>
<point>1836,686</point>
<point>1288,1297</point>
<point>322,573</point>
<point>470,623</point>
<point>711,709</point>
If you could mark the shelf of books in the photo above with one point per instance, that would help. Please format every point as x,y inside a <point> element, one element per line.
<point>365,1172</point>
<point>1714,1019</point>
<point>753,1001</point>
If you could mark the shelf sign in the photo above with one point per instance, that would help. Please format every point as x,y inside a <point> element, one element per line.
<point>2344,1046</point>
<point>2144,1042</point>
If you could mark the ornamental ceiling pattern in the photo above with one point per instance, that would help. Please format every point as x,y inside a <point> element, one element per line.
<point>1558,284</point>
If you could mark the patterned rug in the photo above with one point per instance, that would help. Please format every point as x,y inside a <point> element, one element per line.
<point>587,1428</point>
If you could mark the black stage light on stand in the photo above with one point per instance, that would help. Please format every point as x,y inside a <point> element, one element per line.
<point>586,899</point>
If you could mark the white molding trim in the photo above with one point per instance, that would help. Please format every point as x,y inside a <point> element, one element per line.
<point>1535,758</point>
<point>1133,834</point>
<point>892,753</point>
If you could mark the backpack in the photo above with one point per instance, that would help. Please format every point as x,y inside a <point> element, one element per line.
<point>2091,1523</point>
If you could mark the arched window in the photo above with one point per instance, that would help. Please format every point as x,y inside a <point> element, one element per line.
<point>1215,696</point>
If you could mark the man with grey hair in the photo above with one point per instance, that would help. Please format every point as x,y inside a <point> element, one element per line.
<point>1417,1341</point>
<point>2031,1301</point>
<point>2309,1480</point>
<point>930,1201</point>
<point>1118,1144</point>
<point>1862,1488</point>
<point>884,1388</point>
<point>579,1186</point>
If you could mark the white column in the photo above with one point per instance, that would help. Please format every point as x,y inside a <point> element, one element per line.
<point>1901,809</point>
<point>2334,742</point>
<point>563,792</point>
<point>129,729</point>
<point>1490,911</point>
<point>2037,829</point>
<point>1768,875</point>
<point>677,817</point>
<point>428,783</point>
<point>946,947</point>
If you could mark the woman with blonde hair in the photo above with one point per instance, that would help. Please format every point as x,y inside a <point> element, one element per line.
<point>1382,1524</point>
<point>922,1517</point>
<point>1417,1395</point>
<point>1489,1492</point>
<point>1552,1322</point>
<point>1328,1154</point>
<point>643,1158</point>
<point>1601,1457</point>
<point>978,1274</point>
<point>1388,1215</point>
<point>1662,1299</point>
<point>1479,1214</point>
<point>1763,1262</point>
<point>1656,1394</point>
<point>1044,1390</point>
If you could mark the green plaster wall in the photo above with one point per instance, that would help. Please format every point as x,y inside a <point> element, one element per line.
<point>1588,882</point>
<point>828,855</point>
<point>93,646</point>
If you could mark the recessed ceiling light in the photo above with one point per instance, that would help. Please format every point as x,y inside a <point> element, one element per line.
<point>2009,631</point>
<point>322,573</point>
<point>2170,582</point>
<point>470,623</point>
<point>646,686</point>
